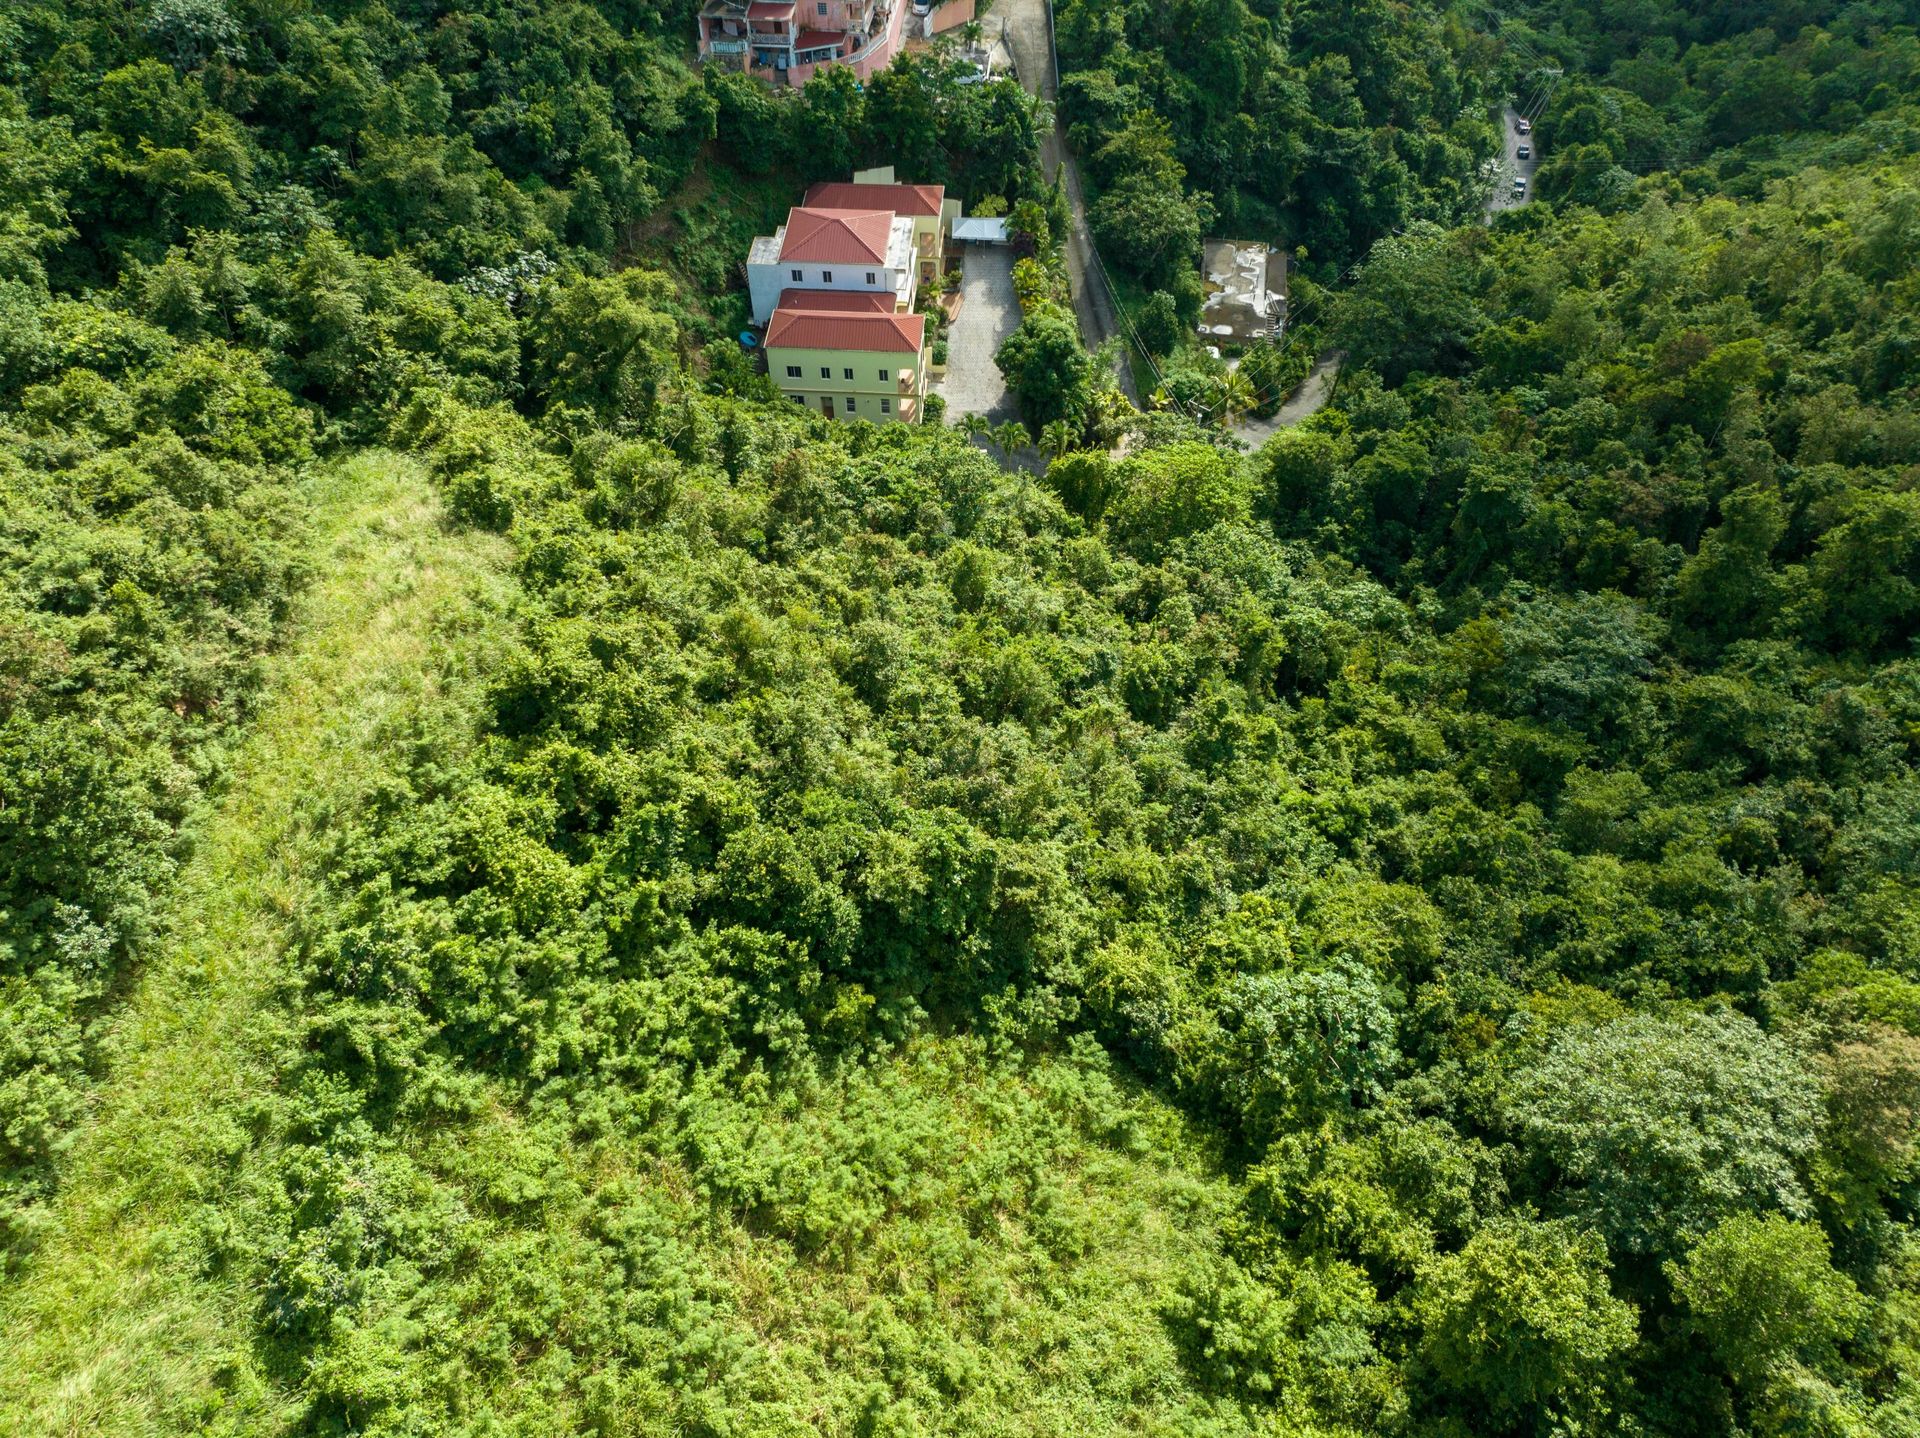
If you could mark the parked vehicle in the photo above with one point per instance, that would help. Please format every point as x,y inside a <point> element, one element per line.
<point>1525,152</point>
<point>1519,185</point>
<point>1523,125</point>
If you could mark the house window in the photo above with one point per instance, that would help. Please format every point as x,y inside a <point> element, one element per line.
<point>826,372</point>
<point>849,404</point>
<point>798,275</point>
<point>821,7</point>
<point>886,406</point>
<point>847,373</point>
<point>870,277</point>
<point>885,375</point>
<point>793,371</point>
<point>826,277</point>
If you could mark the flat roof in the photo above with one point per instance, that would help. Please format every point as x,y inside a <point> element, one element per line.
<point>1246,290</point>
<point>992,231</point>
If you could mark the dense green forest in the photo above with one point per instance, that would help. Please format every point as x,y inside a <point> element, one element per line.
<point>1414,930</point>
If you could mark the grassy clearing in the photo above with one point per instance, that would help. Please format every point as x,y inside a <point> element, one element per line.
<point>116,1328</point>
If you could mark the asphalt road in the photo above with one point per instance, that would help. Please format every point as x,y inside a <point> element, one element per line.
<point>1312,396</point>
<point>989,312</point>
<point>1502,197</point>
<point>1093,303</point>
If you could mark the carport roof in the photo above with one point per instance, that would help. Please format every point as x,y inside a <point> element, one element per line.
<point>991,231</point>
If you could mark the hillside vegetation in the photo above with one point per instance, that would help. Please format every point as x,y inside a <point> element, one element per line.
<point>544,889</point>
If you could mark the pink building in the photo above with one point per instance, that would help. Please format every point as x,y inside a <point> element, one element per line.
<point>950,15</point>
<point>786,41</point>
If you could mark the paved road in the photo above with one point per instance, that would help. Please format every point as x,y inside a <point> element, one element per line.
<point>1501,197</point>
<point>1312,396</point>
<point>1029,33</point>
<point>988,314</point>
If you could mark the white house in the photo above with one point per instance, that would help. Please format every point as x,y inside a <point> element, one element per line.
<point>834,249</point>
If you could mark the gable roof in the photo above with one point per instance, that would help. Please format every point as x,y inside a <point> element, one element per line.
<point>869,333</point>
<point>850,237</point>
<point>856,302</point>
<point>901,199</point>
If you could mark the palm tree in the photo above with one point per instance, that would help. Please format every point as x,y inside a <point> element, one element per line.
<point>1236,397</point>
<point>1058,437</point>
<point>973,426</point>
<point>1012,437</point>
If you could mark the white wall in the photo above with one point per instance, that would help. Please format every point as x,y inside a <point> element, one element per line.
<point>765,283</point>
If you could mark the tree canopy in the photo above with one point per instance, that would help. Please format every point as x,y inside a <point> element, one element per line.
<point>1406,931</point>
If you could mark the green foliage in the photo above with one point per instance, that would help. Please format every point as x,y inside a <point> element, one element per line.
<point>149,548</point>
<point>1660,1128</point>
<point>1146,215</point>
<point>1412,306</point>
<point>1411,931</point>
<point>1761,1294</point>
<point>601,346</point>
<point>1327,128</point>
<point>1046,368</point>
<point>1158,324</point>
<point>1521,1324</point>
<point>1303,1045</point>
<point>1165,495</point>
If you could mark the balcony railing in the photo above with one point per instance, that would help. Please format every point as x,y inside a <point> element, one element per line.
<point>726,47</point>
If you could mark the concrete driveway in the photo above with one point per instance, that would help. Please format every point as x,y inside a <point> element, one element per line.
<point>988,314</point>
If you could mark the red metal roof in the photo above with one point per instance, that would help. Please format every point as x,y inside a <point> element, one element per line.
<point>901,199</point>
<point>816,39</point>
<point>838,302</point>
<point>865,333</point>
<point>848,237</point>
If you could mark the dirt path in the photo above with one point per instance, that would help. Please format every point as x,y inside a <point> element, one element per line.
<point>1030,34</point>
<point>117,1325</point>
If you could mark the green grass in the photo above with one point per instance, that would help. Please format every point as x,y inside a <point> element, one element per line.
<point>115,1327</point>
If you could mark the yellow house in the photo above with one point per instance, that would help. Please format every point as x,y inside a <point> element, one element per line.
<point>848,354</point>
